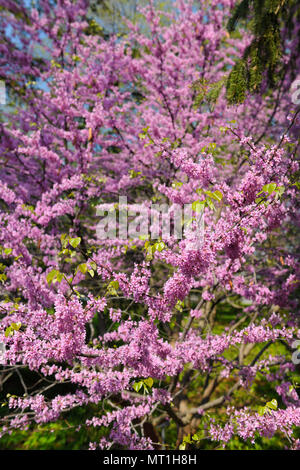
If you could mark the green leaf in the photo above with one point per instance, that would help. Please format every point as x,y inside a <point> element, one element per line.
<point>210,204</point>
<point>187,439</point>
<point>280,190</point>
<point>59,277</point>
<point>179,305</point>
<point>160,246</point>
<point>12,328</point>
<point>217,195</point>
<point>112,288</point>
<point>198,206</point>
<point>52,275</point>
<point>177,184</point>
<point>82,268</point>
<point>74,242</point>
<point>149,382</point>
<point>143,237</point>
<point>64,240</point>
<point>137,386</point>
<point>114,284</point>
<point>8,332</point>
<point>269,188</point>
<point>261,410</point>
<point>273,405</point>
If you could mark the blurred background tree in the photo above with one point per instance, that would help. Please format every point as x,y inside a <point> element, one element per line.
<point>275,25</point>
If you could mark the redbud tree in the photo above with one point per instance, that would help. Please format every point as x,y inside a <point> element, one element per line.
<point>163,342</point>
